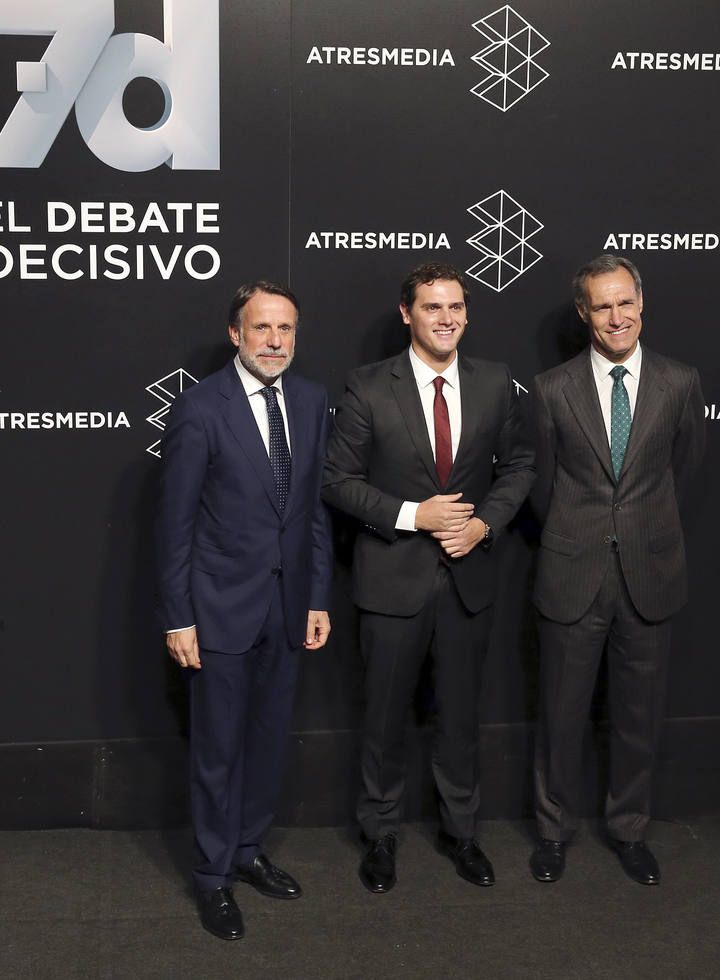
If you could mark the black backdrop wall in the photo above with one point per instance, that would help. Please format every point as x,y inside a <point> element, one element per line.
<point>355,140</point>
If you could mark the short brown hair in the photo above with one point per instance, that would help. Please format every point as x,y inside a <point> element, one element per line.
<point>424,274</point>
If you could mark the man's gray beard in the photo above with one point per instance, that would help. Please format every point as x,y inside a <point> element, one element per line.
<point>250,364</point>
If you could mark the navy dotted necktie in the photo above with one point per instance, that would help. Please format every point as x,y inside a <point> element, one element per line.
<point>620,419</point>
<point>279,452</point>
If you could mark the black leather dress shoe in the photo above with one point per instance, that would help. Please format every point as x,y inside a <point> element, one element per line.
<point>377,869</point>
<point>638,861</point>
<point>219,914</point>
<point>268,880</point>
<point>470,862</point>
<point>547,861</point>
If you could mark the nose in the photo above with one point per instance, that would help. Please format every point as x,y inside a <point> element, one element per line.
<point>616,315</point>
<point>274,340</point>
<point>445,316</point>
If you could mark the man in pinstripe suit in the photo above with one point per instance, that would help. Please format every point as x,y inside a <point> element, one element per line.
<point>619,432</point>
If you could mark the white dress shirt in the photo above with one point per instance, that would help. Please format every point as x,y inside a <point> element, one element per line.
<point>253,387</point>
<point>604,383</point>
<point>424,377</point>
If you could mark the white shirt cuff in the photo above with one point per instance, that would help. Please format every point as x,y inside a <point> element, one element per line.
<point>180,629</point>
<point>406,517</point>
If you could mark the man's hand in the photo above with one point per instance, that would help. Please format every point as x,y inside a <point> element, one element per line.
<point>183,647</point>
<point>443,513</point>
<point>456,544</point>
<point>318,629</point>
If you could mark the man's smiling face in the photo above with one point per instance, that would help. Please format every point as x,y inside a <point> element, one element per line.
<point>437,320</point>
<point>612,310</point>
<point>265,336</point>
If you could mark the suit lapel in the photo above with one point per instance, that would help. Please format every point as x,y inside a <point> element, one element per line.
<point>298,434</point>
<point>239,417</point>
<point>406,393</point>
<point>651,391</point>
<point>470,409</point>
<point>582,397</point>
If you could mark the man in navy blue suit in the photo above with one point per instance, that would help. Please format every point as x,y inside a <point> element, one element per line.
<point>245,566</point>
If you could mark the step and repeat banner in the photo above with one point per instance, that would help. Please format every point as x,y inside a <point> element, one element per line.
<point>154,155</point>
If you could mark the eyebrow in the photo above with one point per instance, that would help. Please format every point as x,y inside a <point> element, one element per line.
<point>605,305</point>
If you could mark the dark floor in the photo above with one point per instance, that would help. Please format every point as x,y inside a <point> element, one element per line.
<point>102,904</point>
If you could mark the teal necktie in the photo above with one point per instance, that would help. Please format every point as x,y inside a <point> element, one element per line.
<point>620,419</point>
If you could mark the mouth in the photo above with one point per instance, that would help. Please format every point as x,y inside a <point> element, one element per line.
<point>444,333</point>
<point>620,330</point>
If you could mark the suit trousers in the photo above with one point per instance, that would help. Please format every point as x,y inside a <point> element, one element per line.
<point>393,649</point>
<point>638,654</point>
<point>240,713</point>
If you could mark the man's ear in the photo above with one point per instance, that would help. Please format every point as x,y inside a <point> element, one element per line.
<point>582,312</point>
<point>234,333</point>
<point>404,314</point>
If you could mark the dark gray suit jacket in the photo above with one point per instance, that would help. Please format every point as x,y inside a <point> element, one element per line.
<point>583,507</point>
<point>380,455</point>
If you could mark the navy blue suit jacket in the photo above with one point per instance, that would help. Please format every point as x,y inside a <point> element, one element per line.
<point>221,537</point>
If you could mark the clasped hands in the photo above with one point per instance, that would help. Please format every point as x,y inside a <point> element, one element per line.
<point>452,523</point>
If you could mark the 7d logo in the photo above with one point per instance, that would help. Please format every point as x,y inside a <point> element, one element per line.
<point>86,66</point>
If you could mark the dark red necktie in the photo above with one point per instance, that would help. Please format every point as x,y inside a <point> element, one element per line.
<point>443,440</point>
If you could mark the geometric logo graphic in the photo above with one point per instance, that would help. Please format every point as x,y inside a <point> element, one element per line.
<point>166,389</point>
<point>503,240</point>
<point>509,58</point>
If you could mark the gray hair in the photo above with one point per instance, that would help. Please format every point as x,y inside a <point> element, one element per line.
<point>246,292</point>
<point>598,267</point>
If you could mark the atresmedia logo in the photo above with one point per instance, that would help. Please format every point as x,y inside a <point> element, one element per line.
<point>166,390</point>
<point>85,65</point>
<point>503,240</point>
<point>508,59</point>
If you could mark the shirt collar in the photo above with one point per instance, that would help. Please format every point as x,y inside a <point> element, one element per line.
<point>250,383</point>
<point>425,375</point>
<point>602,366</point>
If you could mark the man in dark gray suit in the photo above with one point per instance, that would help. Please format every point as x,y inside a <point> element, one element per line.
<point>619,432</point>
<point>429,454</point>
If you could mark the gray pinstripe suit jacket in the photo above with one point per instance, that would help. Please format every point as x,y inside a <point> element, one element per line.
<point>583,507</point>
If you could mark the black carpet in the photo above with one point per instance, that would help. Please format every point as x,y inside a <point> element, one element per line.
<point>116,905</point>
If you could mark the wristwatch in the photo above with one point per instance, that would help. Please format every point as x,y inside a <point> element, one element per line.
<point>488,538</point>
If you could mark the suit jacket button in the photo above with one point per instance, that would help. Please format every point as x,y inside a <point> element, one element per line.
<point>607,539</point>
<point>618,506</point>
<point>278,571</point>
